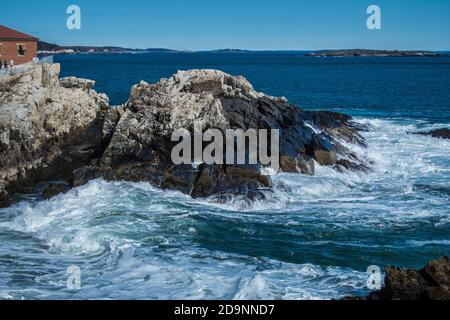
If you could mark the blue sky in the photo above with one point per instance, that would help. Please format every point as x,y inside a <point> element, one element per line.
<point>246,24</point>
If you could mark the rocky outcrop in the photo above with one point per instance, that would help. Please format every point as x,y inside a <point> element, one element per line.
<point>140,134</point>
<point>430,283</point>
<point>443,133</point>
<point>48,127</point>
<point>54,128</point>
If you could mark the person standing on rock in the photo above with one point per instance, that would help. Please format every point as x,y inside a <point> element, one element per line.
<point>5,65</point>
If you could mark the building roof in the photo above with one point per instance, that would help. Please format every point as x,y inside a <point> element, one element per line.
<point>10,34</point>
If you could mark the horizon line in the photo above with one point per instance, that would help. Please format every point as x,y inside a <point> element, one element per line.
<point>242,49</point>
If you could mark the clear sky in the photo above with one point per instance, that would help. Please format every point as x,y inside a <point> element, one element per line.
<point>245,24</point>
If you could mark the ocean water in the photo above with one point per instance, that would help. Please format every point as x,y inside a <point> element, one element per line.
<point>313,239</point>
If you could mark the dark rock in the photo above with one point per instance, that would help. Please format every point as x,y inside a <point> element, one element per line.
<point>221,179</point>
<point>438,272</point>
<point>84,174</point>
<point>325,157</point>
<point>429,283</point>
<point>297,165</point>
<point>344,164</point>
<point>112,117</point>
<point>404,284</point>
<point>5,200</point>
<point>53,190</point>
<point>288,164</point>
<point>340,126</point>
<point>351,298</point>
<point>443,133</point>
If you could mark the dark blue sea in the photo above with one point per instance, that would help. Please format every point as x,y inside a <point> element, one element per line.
<point>313,240</point>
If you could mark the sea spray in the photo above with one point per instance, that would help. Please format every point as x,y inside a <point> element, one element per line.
<point>313,239</point>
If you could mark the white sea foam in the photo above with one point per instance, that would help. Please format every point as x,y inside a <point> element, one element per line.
<point>132,240</point>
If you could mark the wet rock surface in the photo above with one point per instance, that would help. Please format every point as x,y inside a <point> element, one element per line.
<point>443,133</point>
<point>430,283</point>
<point>55,189</point>
<point>5,199</point>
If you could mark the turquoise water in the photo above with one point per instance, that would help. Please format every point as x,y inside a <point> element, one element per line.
<point>313,239</point>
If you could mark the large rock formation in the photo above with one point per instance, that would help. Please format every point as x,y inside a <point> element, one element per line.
<point>54,128</point>
<point>48,127</point>
<point>140,134</point>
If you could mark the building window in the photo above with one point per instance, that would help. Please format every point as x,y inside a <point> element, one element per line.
<point>21,50</point>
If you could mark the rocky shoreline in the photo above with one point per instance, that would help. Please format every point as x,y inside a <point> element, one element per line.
<point>61,129</point>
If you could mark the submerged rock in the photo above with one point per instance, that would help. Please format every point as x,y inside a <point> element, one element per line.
<point>83,175</point>
<point>5,199</point>
<point>55,189</point>
<point>140,134</point>
<point>48,127</point>
<point>430,283</point>
<point>443,133</point>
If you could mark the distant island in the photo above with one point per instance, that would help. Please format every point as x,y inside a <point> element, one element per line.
<point>230,51</point>
<point>50,48</point>
<point>374,53</point>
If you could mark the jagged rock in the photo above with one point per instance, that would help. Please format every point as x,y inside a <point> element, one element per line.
<point>84,174</point>
<point>111,119</point>
<point>290,164</point>
<point>5,199</point>
<point>76,83</point>
<point>48,127</point>
<point>340,126</point>
<point>430,283</point>
<point>443,133</point>
<point>343,164</point>
<point>54,189</point>
<point>140,133</point>
<point>216,180</point>
<point>438,272</point>
<point>325,157</point>
<point>53,128</point>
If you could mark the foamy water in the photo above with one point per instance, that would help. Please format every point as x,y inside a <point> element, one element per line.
<point>312,239</point>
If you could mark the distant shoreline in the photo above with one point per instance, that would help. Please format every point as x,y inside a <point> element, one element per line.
<point>376,53</point>
<point>48,48</point>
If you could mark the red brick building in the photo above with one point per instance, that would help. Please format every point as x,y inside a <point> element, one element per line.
<point>17,46</point>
